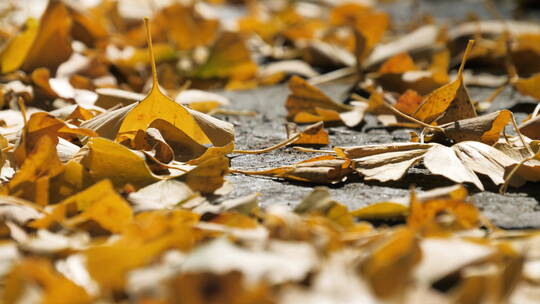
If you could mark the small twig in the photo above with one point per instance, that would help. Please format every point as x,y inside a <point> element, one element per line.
<point>308,150</point>
<point>496,93</point>
<point>22,108</point>
<point>410,118</point>
<point>272,148</point>
<point>504,187</point>
<point>521,138</point>
<point>536,110</point>
<point>334,75</point>
<point>264,172</point>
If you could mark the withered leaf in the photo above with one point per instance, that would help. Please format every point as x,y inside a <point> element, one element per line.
<point>450,102</point>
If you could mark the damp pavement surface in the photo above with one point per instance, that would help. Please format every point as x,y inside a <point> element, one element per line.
<point>519,208</point>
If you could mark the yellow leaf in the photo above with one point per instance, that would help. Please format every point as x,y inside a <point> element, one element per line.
<point>208,175</point>
<point>42,124</point>
<point>103,205</point>
<point>382,210</point>
<point>39,272</point>
<point>158,106</point>
<point>52,44</point>
<point>186,27</point>
<point>428,216</point>
<point>306,103</point>
<point>109,264</point>
<point>229,58</point>
<point>398,64</point>
<point>41,164</point>
<point>528,86</point>
<point>99,203</point>
<point>388,269</point>
<point>450,100</point>
<point>106,159</point>
<point>16,50</point>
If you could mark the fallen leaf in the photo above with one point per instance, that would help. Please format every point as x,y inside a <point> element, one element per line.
<point>485,128</point>
<point>54,287</point>
<point>307,104</point>
<point>309,136</point>
<point>54,30</point>
<point>39,167</point>
<point>322,170</point>
<point>105,159</point>
<point>450,102</point>
<point>186,27</point>
<point>458,163</point>
<point>392,262</point>
<point>397,208</point>
<point>531,128</point>
<point>228,58</point>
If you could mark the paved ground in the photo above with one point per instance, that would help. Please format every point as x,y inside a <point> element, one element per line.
<point>520,208</point>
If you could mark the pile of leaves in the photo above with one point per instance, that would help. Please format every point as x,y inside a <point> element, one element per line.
<point>112,191</point>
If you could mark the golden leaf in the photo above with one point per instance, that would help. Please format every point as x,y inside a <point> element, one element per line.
<point>36,271</point>
<point>450,102</point>
<point>106,159</point>
<point>52,44</point>
<point>306,103</point>
<point>16,50</point>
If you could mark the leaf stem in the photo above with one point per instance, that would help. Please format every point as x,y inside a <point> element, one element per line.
<point>410,118</point>
<point>465,56</point>
<point>504,187</point>
<point>521,138</point>
<point>151,52</point>
<point>272,148</point>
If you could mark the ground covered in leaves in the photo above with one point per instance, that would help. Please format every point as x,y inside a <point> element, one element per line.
<point>269,151</point>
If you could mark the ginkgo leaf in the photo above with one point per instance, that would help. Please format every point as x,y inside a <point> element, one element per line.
<point>398,64</point>
<point>397,208</point>
<point>322,169</point>
<point>99,203</point>
<point>158,106</point>
<point>528,86</point>
<point>320,202</point>
<point>145,239</point>
<point>42,124</point>
<point>423,215</point>
<point>106,159</point>
<point>309,136</point>
<point>391,263</point>
<point>459,163</point>
<point>450,102</point>
<point>370,23</point>
<point>485,128</point>
<point>228,58</point>
<point>186,27</point>
<point>87,29</point>
<point>52,43</point>
<point>400,74</point>
<point>307,104</point>
<point>32,180</point>
<point>444,161</point>
<point>208,175</point>
<point>408,102</point>
<point>55,287</point>
<point>531,128</point>
<point>200,128</point>
<point>13,55</point>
